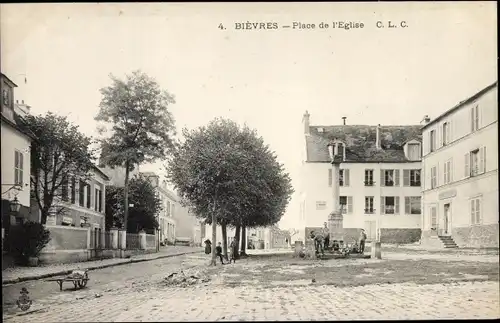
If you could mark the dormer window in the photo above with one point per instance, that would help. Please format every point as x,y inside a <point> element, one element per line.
<point>336,148</point>
<point>413,151</point>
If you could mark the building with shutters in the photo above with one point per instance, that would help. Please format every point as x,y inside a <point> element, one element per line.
<point>460,164</point>
<point>379,180</point>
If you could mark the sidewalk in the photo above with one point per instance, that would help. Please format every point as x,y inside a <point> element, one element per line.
<point>19,274</point>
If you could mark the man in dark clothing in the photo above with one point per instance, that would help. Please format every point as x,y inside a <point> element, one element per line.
<point>326,234</point>
<point>362,239</point>
<point>218,252</point>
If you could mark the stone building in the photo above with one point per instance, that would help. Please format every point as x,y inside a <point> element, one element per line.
<point>460,164</point>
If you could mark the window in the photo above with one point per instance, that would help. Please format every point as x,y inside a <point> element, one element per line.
<point>98,199</point>
<point>433,218</point>
<point>89,191</point>
<point>64,189</point>
<point>474,117</point>
<point>368,177</point>
<point>433,177</point>
<point>446,133</point>
<point>475,162</point>
<point>413,205</point>
<point>346,204</point>
<point>330,177</point>
<point>389,177</point>
<point>168,208</point>
<point>411,177</point>
<point>414,152</point>
<point>344,177</point>
<point>369,205</point>
<point>18,168</point>
<point>73,190</point>
<point>432,140</point>
<point>447,172</point>
<point>81,193</point>
<point>389,204</point>
<point>475,211</point>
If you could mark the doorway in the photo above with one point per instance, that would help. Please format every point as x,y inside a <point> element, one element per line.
<point>371,230</point>
<point>447,219</point>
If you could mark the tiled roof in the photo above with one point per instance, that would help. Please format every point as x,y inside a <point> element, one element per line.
<point>360,142</point>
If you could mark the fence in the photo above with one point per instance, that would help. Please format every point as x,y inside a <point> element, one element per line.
<point>100,239</point>
<point>150,241</point>
<point>133,241</point>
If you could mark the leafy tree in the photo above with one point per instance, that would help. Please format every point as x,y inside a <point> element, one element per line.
<point>27,240</point>
<point>139,125</point>
<point>146,203</point>
<point>228,176</point>
<point>61,153</point>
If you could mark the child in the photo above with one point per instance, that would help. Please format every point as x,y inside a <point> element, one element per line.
<point>218,252</point>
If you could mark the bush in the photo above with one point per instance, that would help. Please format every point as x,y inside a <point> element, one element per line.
<point>27,240</point>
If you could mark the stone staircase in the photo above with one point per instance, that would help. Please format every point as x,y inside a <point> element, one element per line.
<point>448,242</point>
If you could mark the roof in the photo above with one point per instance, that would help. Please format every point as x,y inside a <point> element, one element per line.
<point>462,103</point>
<point>360,142</point>
<point>106,177</point>
<point>19,125</point>
<point>9,80</point>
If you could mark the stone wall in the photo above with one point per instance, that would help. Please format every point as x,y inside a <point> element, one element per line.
<point>402,236</point>
<point>478,236</point>
<point>68,244</point>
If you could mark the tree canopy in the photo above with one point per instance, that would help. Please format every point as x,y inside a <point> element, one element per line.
<point>230,167</point>
<point>60,153</point>
<point>143,215</point>
<point>137,124</point>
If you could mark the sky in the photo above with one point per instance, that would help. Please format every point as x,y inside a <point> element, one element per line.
<point>264,78</point>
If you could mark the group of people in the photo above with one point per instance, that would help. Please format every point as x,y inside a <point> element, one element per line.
<point>322,240</point>
<point>233,250</point>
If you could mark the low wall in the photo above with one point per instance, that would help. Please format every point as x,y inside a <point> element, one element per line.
<point>477,236</point>
<point>67,244</point>
<point>401,236</point>
<point>150,241</point>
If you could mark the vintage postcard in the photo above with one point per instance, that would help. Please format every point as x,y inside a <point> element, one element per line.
<point>249,161</point>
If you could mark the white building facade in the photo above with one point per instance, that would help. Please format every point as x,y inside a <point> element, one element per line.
<point>460,163</point>
<point>380,180</point>
<point>16,143</point>
<point>166,219</point>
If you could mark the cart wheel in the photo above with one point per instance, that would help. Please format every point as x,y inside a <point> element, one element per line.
<point>82,283</point>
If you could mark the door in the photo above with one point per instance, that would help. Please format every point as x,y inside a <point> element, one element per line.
<point>447,222</point>
<point>371,230</point>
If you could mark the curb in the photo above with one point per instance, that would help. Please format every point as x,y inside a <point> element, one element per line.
<point>65,272</point>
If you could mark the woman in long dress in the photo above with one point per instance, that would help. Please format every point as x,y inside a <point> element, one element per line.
<point>208,246</point>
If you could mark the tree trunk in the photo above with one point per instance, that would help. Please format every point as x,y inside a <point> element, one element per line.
<point>237,240</point>
<point>214,236</point>
<point>125,196</point>
<point>224,239</point>
<point>243,241</point>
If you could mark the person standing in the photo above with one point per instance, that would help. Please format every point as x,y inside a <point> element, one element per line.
<point>208,246</point>
<point>326,235</point>
<point>362,239</point>
<point>218,252</point>
<point>232,250</point>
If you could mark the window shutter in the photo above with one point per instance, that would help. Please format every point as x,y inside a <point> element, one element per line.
<point>478,212</point>
<point>382,205</point>
<point>396,177</point>
<point>406,177</point>
<point>346,177</point>
<point>466,164</point>
<point>450,171</point>
<point>396,205</point>
<point>407,205</point>
<point>330,177</point>
<point>445,172</point>
<point>472,211</point>
<point>349,204</point>
<point>482,162</point>
<point>21,161</point>
<point>472,119</point>
<point>382,177</point>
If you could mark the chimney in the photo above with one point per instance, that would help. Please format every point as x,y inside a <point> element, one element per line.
<point>377,140</point>
<point>426,120</point>
<point>343,118</point>
<point>305,122</point>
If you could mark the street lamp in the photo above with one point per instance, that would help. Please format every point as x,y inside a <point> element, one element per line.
<point>15,206</point>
